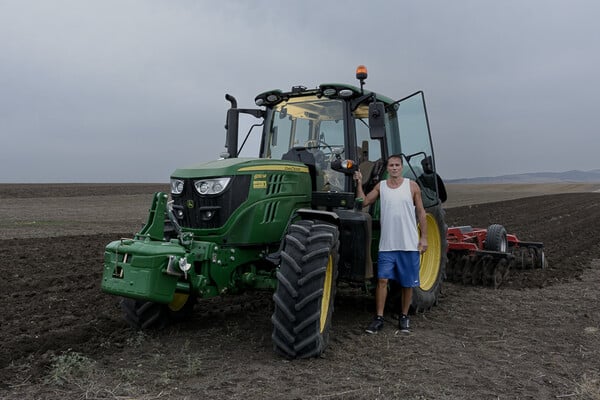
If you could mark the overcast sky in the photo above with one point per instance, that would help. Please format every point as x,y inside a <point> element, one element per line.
<point>128,91</point>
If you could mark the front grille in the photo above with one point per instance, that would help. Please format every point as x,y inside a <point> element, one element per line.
<point>275,184</point>
<point>206,212</point>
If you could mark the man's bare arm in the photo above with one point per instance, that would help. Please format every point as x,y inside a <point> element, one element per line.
<point>360,194</point>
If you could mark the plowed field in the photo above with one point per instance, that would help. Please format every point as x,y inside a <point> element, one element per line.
<point>536,337</point>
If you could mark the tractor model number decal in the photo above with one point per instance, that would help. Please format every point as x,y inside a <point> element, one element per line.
<point>259,184</point>
<point>189,203</point>
<point>259,181</point>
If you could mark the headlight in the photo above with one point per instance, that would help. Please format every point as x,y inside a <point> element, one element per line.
<point>211,186</point>
<point>176,186</point>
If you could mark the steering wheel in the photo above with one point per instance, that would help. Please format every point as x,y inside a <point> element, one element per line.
<point>316,147</point>
<point>318,144</point>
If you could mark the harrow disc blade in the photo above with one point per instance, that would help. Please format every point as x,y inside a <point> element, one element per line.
<point>529,257</point>
<point>543,263</point>
<point>467,272</point>
<point>500,273</point>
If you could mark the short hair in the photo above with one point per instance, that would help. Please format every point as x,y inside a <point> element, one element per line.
<point>400,156</point>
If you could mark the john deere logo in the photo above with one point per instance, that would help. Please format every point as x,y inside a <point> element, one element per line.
<point>189,203</point>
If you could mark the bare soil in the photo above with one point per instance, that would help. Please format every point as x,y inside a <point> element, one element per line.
<point>536,337</point>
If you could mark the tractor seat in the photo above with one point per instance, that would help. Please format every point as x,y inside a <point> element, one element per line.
<point>366,169</point>
<point>371,173</point>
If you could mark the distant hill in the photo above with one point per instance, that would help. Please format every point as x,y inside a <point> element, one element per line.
<point>592,176</point>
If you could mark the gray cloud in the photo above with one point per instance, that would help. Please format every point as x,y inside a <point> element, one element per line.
<point>105,91</point>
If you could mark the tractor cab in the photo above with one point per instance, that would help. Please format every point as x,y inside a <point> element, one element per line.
<point>337,128</point>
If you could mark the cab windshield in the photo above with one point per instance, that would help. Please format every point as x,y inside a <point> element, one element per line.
<point>314,124</point>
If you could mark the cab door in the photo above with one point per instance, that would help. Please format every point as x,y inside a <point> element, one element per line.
<point>408,133</point>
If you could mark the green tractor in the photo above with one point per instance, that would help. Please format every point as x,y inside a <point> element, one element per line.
<point>287,221</point>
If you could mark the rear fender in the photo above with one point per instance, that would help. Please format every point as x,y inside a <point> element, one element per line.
<point>432,188</point>
<point>441,189</point>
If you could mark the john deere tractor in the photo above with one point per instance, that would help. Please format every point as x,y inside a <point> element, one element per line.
<point>286,221</point>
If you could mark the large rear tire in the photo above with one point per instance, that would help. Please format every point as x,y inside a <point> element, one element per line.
<point>433,262</point>
<point>306,289</point>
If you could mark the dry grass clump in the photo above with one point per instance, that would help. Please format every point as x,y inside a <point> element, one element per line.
<point>589,386</point>
<point>70,368</point>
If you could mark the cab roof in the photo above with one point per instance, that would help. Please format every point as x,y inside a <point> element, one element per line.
<point>328,90</point>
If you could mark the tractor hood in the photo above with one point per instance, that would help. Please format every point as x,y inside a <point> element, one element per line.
<point>233,166</point>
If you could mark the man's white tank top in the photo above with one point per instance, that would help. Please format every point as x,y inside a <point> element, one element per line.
<point>398,218</point>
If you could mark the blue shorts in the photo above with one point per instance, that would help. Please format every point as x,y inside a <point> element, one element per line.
<point>401,266</point>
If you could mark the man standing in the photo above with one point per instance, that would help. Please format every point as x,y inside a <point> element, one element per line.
<point>399,245</point>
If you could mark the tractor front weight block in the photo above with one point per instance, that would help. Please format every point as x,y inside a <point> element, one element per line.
<point>143,270</point>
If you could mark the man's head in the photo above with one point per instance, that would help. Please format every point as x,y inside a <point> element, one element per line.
<point>396,158</point>
<point>394,165</point>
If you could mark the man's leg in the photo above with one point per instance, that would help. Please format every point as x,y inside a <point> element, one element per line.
<point>404,322</point>
<point>406,293</point>
<point>380,296</point>
<point>409,272</point>
<point>385,265</point>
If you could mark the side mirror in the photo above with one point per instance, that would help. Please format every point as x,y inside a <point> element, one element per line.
<point>377,120</point>
<point>231,141</point>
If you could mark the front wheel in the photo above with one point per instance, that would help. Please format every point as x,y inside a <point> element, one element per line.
<point>306,289</point>
<point>140,314</point>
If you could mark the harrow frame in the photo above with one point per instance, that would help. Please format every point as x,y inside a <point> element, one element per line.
<point>481,256</point>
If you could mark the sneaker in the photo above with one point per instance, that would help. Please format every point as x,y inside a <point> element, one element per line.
<point>404,324</point>
<point>376,325</point>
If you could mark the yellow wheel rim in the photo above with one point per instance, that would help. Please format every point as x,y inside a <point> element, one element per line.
<point>430,260</point>
<point>326,294</point>
<point>179,300</point>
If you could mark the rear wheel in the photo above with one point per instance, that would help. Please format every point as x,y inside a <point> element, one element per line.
<point>433,262</point>
<point>306,289</point>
